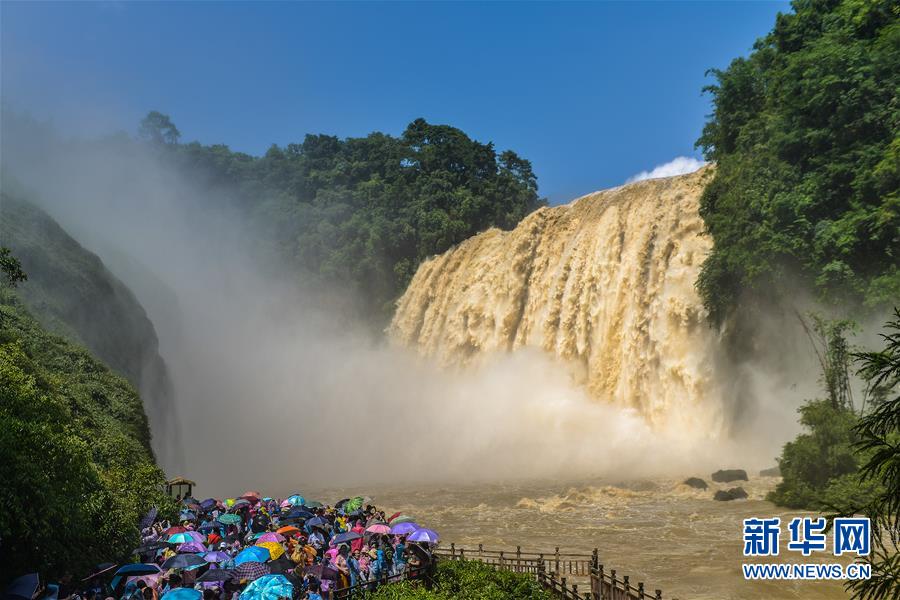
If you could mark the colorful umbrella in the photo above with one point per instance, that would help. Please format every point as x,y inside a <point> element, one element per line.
<point>216,575</point>
<point>424,535</point>
<point>216,556</point>
<point>252,554</point>
<point>288,530</point>
<point>317,522</point>
<point>402,519</point>
<point>270,536</point>
<point>174,530</point>
<point>403,528</point>
<point>250,570</point>
<point>343,538</point>
<point>183,594</point>
<point>268,587</point>
<point>181,538</point>
<point>24,586</point>
<point>183,561</point>
<point>378,528</point>
<point>275,549</point>
<point>229,519</point>
<point>191,547</point>
<point>296,500</point>
<point>354,504</point>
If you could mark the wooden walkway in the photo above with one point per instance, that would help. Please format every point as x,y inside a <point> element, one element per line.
<point>561,573</point>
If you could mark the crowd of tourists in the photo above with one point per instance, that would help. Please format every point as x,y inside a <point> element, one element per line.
<point>256,548</point>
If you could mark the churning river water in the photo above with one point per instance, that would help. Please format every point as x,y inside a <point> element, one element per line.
<point>660,532</point>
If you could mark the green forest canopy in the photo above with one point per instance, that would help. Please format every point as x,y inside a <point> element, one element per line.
<point>806,134</point>
<point>364,212</point>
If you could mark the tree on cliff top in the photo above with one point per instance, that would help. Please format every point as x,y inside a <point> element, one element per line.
<point>806,134</point>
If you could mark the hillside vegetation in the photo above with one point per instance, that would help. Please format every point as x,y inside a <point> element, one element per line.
<point>77,469</point>
<point>73,294</point>
<point>806,134</point>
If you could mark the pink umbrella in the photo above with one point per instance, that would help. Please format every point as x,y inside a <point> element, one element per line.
<point>285,504</point>
<point>271,536</point>
<point>191,547</point>
<point>379,528</point>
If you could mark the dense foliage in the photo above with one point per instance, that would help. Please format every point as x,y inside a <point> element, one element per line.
<point>806,134</point>
<point>364,212</point>
<point>879,431</point>
<point>467,580</point>
<point>820,467</point>
<point>77,470</point>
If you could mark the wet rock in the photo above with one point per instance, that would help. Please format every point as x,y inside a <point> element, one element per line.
<point>726,475</point>
<point>735,493</point>
<point>773,472</point>
<point>696,483</point>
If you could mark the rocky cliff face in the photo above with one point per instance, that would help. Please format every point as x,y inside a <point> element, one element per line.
<point>73,294</point>
<point>606,283</point>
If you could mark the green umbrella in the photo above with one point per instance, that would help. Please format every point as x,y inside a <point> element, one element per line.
<point>402,519</point>
<point>229,519</point>
<point>313,504</point>
<point>353,504</point>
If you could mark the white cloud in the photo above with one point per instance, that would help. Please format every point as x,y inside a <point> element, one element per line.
<point>677,166</point>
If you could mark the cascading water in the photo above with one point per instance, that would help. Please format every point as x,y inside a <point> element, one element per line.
<point>606,283</point>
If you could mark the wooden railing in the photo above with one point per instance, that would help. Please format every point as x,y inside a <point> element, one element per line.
<point>559,572</point>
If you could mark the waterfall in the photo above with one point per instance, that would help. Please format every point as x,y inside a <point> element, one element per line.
<point>605,283</point>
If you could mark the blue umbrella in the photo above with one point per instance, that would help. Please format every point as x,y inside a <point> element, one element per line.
<point>299,513</point>
<point>22,587</point>
<point>183,594</point>
<point>347,536</point>
<point>317,522</point>
<point>135,569</point>
<point>296,500</point>
<point>183,561</point>
<point>268,587</point>
<point>252,554</point>
<point>208,503</point>
<point>187,516</point>
<point>404,528</point>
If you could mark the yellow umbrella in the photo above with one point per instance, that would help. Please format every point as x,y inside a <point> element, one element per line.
<point>229,502</point>
<point>275,549</point>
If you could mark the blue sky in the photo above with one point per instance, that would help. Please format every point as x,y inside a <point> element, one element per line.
<point>591,93</point>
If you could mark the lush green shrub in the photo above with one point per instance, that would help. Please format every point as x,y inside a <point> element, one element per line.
<point>820,467</point>
<point>467,580</point>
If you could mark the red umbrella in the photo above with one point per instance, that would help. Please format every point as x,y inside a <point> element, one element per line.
<point>394,516</point>
<point>173,530</point>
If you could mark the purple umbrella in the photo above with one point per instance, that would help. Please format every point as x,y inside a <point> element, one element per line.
<point>404,528</point>
<point>191,547</point>
<point>216,556</point>
<point>423,535</point>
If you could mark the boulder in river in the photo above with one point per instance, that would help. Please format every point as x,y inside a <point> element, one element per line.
<point>772,472</point>
<point>735,493</point>
<point>726,475</point>
<point>696,483</point>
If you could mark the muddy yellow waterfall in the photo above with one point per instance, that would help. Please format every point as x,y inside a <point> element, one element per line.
<point>605,283</point>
